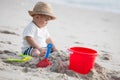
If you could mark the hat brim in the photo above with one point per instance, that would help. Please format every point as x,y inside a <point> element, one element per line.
<point>31,13</point>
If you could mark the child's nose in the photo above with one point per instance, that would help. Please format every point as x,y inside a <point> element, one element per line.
<point>46,22</point>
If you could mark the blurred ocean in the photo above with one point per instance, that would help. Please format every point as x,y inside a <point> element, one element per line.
<point>105,5</point>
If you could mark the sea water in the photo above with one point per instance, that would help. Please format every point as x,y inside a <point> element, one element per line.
<point>105,5</point>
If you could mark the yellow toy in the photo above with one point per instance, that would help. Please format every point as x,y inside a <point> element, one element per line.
<point>24,58</point>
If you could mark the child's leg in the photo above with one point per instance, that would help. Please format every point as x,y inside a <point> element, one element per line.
<point>35,53</point>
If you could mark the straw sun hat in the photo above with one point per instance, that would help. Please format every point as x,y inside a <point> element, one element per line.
<point>42,8</point>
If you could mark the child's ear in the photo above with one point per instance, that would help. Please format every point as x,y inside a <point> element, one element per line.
<point>37,16</point>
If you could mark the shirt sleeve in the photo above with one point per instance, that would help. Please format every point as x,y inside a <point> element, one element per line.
<point>29,31</point>
<point>47,34</point>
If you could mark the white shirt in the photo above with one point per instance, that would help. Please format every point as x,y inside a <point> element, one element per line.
<point>38,34</point>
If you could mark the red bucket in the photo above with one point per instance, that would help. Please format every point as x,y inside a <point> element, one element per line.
<point>82,59</point>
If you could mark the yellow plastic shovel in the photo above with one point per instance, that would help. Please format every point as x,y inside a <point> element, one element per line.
<point>24,58</point>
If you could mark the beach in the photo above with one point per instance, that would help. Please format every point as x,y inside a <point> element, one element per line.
<point>74,26</point>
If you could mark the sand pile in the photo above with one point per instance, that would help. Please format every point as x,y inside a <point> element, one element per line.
<point>60,62</point>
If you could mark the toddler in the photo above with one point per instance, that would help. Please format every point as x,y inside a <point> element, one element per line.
<point>35,35</point>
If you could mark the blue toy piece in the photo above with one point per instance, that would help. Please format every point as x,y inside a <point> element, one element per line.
<point>49,47</point>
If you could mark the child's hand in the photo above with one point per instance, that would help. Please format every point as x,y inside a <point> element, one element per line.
<point>42,52</point>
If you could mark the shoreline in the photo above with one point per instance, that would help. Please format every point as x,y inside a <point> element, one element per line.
<point>87,7</point>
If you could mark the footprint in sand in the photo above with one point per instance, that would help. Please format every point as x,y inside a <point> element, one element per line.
<point>106,55</point>
<point>77,42</point>
<point>114,77</point>
<point>5,42</point>
<point>8,32</point>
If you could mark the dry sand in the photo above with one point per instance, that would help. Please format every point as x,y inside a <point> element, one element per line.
<point>74,27</point>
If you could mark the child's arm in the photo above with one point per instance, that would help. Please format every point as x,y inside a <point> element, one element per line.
<point>49,40</point>
<point>33,43</point>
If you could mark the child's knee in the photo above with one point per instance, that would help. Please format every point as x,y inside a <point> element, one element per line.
<point>35,53</point>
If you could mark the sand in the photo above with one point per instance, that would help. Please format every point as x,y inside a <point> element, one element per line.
<point>74,27</point>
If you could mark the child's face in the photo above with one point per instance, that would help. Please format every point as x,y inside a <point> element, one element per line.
<point>41,20</point>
